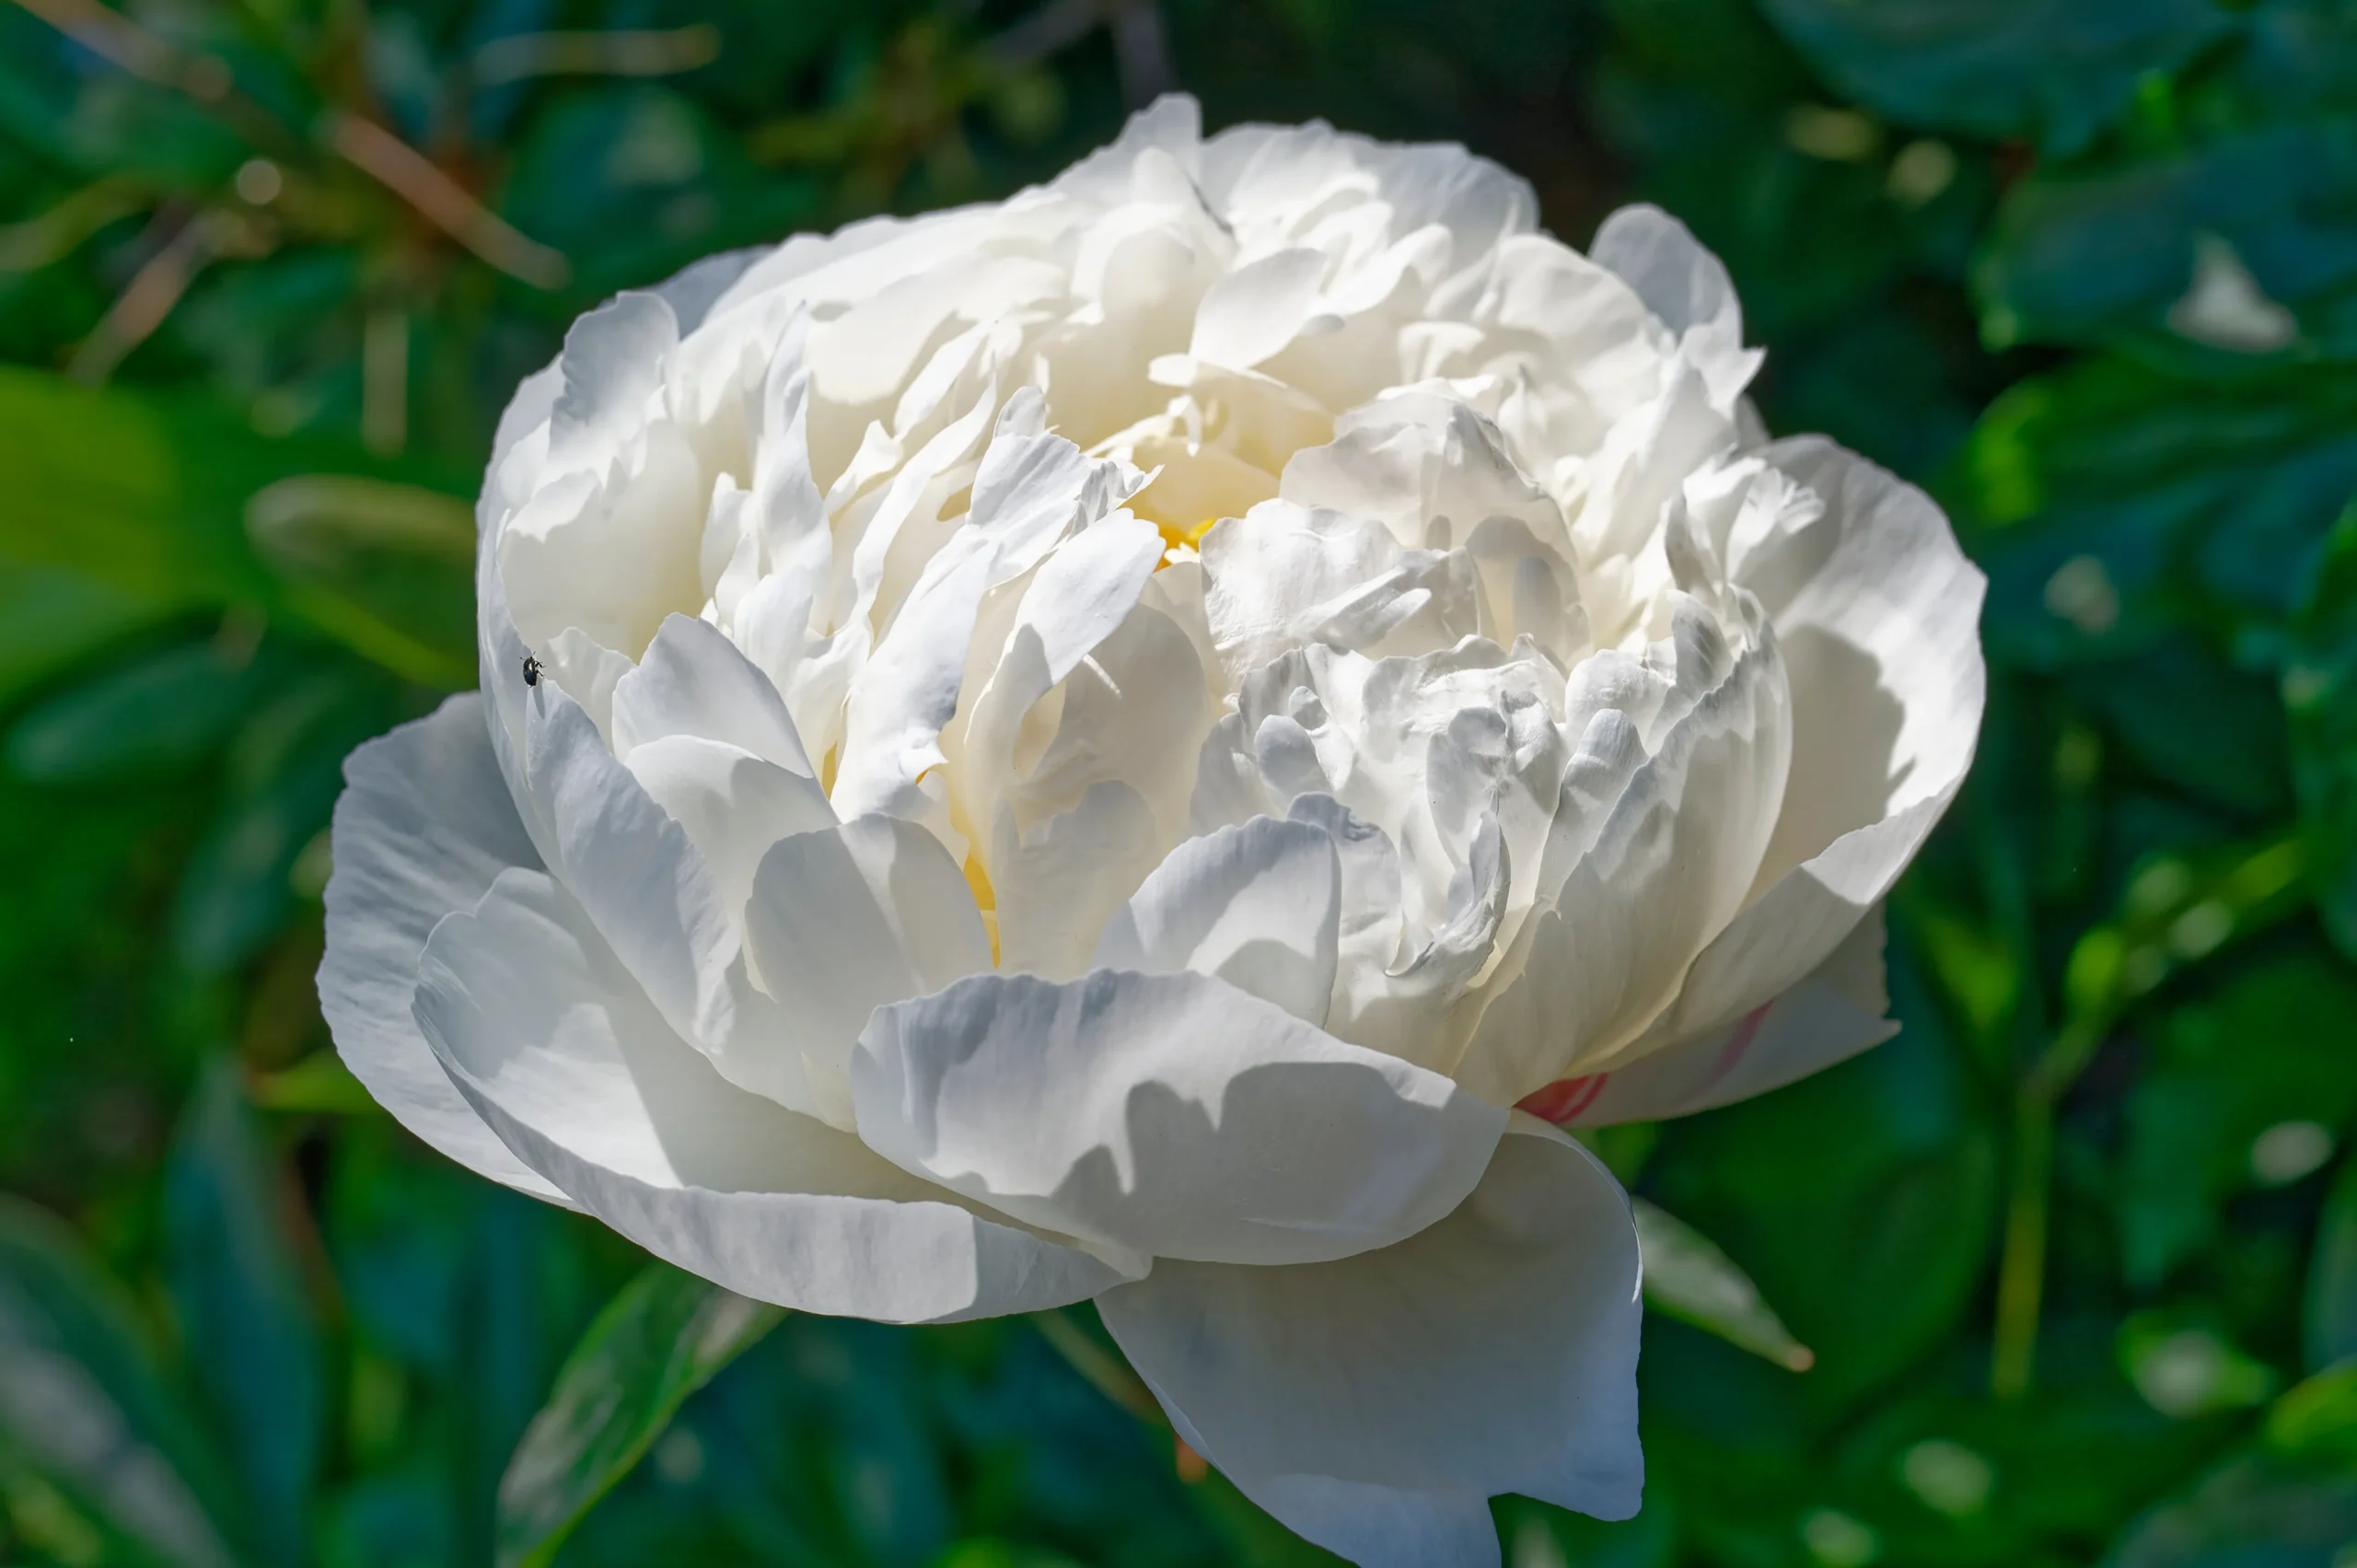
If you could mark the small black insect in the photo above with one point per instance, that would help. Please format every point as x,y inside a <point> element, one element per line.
<point>531,671</point>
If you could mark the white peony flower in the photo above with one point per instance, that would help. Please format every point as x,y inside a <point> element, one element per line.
<point>1100,745</point>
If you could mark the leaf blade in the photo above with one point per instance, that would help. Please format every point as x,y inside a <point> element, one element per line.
<point>1687,1278</point>
<point>664,1336</point>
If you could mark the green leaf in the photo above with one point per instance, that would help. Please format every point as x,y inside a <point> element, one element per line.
<point>1869,1240</point>
<point>662,1338</point>
<point>2329,1317</point>
<point>2185,1367</point>
<point>385,569</point>
<point>82,1407</point>
<point>2112,503</point>
<point>2318,1416</point>
<point>2320,697</point>
<point>2245,1087</point>
<point>243,1306</point>
<point>168,710</point>
<point>1689,1278</point>
<point>134,509</point>
<point>2260,1512</point>
<point>2241,246</point>
<point>286,767</point>
<point>2056,71</point>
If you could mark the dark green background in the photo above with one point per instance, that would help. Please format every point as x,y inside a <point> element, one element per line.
<point>2076,1253</point>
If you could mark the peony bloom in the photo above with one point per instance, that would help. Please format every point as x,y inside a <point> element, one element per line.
<point>1143,742</point>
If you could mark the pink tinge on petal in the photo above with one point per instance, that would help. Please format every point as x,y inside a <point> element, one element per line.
<point>1732,1052</point>
<point>1560,1101</point>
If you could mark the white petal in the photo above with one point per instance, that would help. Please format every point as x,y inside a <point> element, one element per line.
<point>1830,1016</point>
<point>424,827</point>
<point>1283,575</point>
<point>612,366</point>
<point>554,1044</point>
<point>1256,310</point>
<point>1133,711</point>
<point>1171,1114</point>
<point>1413,459</point>
<point>1876,614</point>
<point>1080,594</point>
<point>1059,882</point>
<point>693,681</point>
<point>1439,778</point>
<point>846,919</point>
<point>1172,124</point>
<point>1032,489</point>
<point>733,805</point>
<point>1252,173</point>
<point>652,897</point>
<point>1686,286</point>
<point>1255,905</point>
<point>1662,848</point>
<point>631,866</point>
<point>908,690</point>
<point>1679,281</point>
<point>1086,587</point>
<point>1376,1403</point>
<point>694,289</point>
<point>793,515</point>
<point>606,550</point>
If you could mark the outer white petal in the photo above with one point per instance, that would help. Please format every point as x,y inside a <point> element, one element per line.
<point>1684,286</point>
<point>847,919</point>
<point>424,827</point>
<point>613,365</point>
<point>1172,125</point>
<point>1264,174</point>
<point>1170,1114</point>
<point>555,1045</point>
<point>1876,614</point>
<point>1375,1404</point>
<point>693,681</point>
<point>1830,1016</point>
<point>1257,905</point>
<point>653,899</point>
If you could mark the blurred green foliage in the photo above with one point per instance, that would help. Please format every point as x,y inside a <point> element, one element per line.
<point>2074,1258</point>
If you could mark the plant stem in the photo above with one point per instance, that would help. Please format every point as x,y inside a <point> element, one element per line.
<point>2021,1269</point>
<point>2021,1272</point>
<point>1104,1371</point>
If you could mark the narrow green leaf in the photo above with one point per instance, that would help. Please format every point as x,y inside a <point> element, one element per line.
<point>319,1085</point>
<point>664,1336</point>
<point>2320,696</point>
<point>243,1306</point>
<point>82,1407</point>
<point>168,710</point>
<point>2318,1415</point>
<point>1689,1278</point>
<point>2329,1317</point>
<point>385,569</point>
